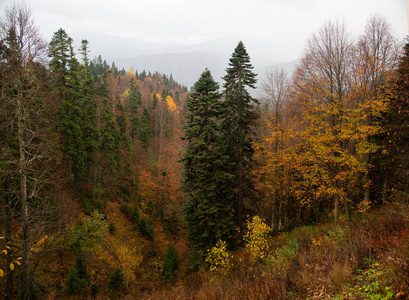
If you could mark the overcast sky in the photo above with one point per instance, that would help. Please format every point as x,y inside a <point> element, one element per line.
<point>282,24</point>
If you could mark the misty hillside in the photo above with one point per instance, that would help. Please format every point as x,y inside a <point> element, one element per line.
<point>184,62</point>
<point>187,67</point>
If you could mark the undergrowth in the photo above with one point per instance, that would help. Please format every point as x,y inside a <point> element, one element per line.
<point>367,258</point>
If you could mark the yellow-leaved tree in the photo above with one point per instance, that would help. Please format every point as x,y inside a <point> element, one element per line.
<point>171,103</point>
<point>219,259</point>
<point>256,238</point>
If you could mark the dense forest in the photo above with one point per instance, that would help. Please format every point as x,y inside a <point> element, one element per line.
<point>123,183</point>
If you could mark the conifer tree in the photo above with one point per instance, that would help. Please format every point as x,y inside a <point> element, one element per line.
<point>59,52</point>
<point>395,137</point>
<point>134,102</point>
<point>145,128</point>
<point>66,69</point>
<point>110,138</point>
<point>171,263</point>
<point>238,117</point>
<point>88,105</point>
<point>208,211</point>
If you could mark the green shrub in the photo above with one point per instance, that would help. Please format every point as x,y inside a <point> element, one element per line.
<point>132,213</point>
<point>125,197</point>
<point>146,228</point>
<point>111,228</point>
<point>91,205</point>
<point>171,263</point>
<point>90,232</point>
<point>116,280</point>
<point>171,224</point>
<point>78,277</point>
<point>283,256</point>
<point>94,290</point>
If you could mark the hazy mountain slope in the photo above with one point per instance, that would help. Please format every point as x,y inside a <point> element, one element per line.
<point>187,67</point>
<point>184,62</point>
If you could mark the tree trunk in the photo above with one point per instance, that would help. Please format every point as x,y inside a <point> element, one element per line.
<point>280,205</point>
<point>8,217</point>
<point>299,213</point>
<point>273,218</point>
<point>26,280</point>
<point>346,204</point>
<point>336,209</point>
<point>240,192</point>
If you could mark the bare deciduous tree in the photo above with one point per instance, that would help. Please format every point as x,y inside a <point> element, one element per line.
<point>323,84</point>
<point>275,89</point>
<point>24,55</point>
<point>377,56</point>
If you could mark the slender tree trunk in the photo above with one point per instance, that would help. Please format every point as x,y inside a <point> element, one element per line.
<point>346,204</point>
<point>284,193</point>
<point>280,205</point>
<point>299,213</point>
<point>8,217</point>
<point>286,209</point>
<point>366,178</point>
<point>240,191</point>
<point>26,278</point>
<point>273,217</point>
<point>366,192</point>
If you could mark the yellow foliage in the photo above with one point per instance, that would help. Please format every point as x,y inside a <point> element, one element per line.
<point>363,207</point>
<point>171,103</point>
<point>256,238</point>
<point>129,260</point>
<point>131,71</point>
<point>41,243</point>
<point>4,252</point>
<point>219,259</point>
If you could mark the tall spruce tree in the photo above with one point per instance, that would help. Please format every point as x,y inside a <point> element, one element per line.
<point>208,211</point>
<point>65,69</point>
<point>59,52</point>
<point>238,117</point>
<point>134,103</point>
<point>145,128</point>
<point>110,137</point>
<point>88,104</point>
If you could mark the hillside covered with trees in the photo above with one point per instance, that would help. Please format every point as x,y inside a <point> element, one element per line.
<point>123,183</point>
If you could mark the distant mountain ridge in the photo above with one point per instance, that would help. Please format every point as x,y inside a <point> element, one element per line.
<point>187,67</point>
<point>184,62</point>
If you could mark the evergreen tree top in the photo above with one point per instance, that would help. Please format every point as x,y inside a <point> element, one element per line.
<point>240,69</point>
<point>205,83</point>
